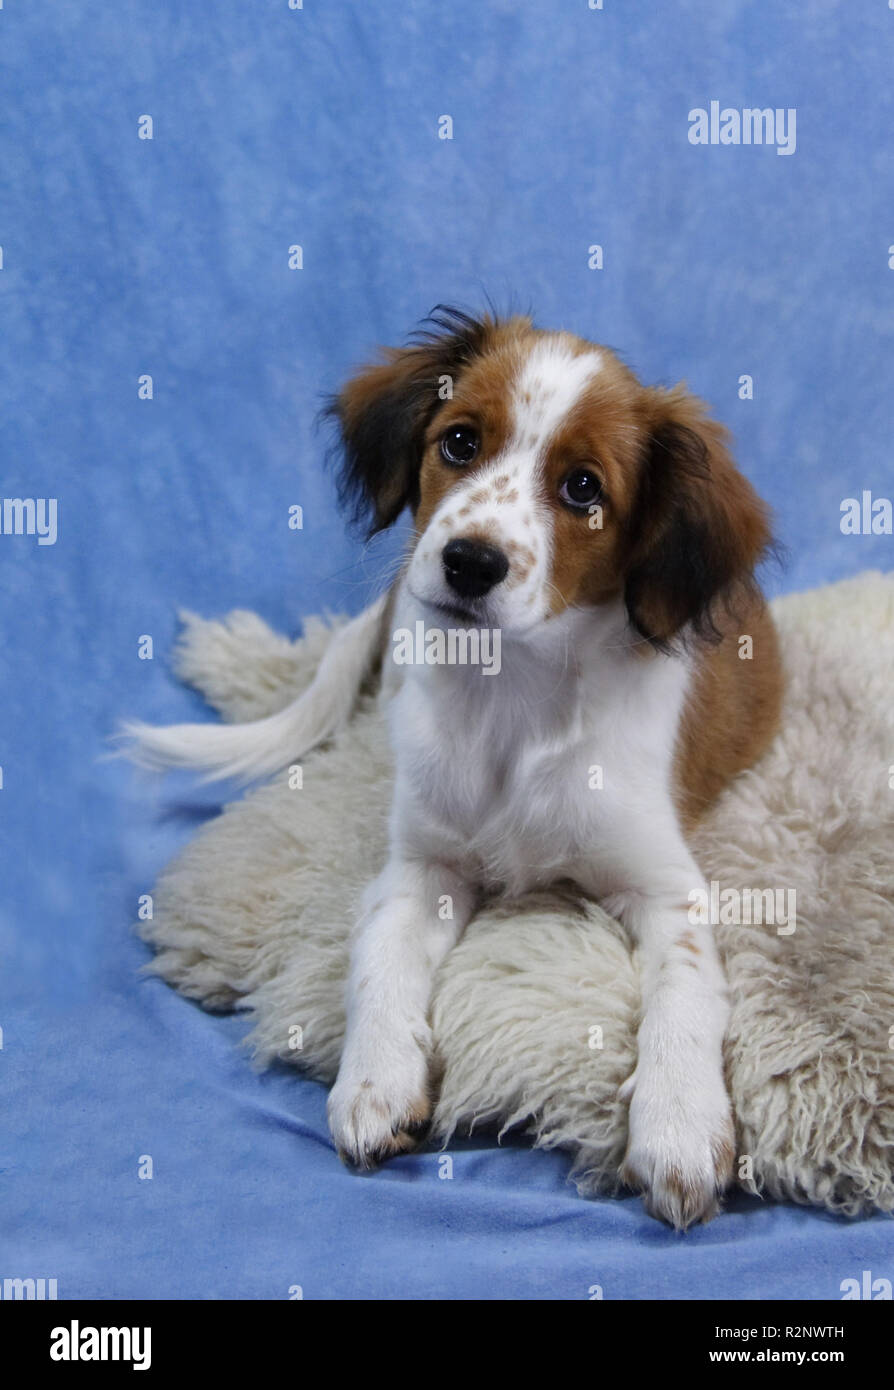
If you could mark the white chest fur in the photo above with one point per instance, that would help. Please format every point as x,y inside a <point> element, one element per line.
<point>520,777</point>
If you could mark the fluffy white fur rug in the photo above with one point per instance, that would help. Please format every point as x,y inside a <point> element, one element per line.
<point>535,1012</point>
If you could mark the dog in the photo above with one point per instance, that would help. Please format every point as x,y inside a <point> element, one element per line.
<point>601,528</point>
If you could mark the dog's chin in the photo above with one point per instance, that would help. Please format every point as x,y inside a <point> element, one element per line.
<point>472,614</point>
<point>475,613</point>
<point>478,616</point>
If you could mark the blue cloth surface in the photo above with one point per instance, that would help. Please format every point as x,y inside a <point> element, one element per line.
<point>318,127</point>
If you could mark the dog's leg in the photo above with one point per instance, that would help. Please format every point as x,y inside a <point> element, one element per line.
<point>413,915</point>
<point>680,1145</point>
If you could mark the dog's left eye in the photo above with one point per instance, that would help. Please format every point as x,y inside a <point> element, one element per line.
<point>580,488</point>
<point>460,444</point>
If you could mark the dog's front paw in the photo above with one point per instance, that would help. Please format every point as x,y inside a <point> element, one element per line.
<point>375,1113</point>
<point>680,1149</point>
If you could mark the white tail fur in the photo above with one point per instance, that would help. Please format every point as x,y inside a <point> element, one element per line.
<point>257,749</point>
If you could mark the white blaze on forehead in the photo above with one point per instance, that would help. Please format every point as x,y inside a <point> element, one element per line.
<point>548,386</point>
<point>504,496</point>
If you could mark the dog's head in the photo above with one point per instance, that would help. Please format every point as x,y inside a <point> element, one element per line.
<point>542,476</point>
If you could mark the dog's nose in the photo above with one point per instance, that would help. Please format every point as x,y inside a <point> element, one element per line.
<point>472,568</point>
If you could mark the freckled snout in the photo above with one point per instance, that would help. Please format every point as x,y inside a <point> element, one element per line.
<point>472,568</point>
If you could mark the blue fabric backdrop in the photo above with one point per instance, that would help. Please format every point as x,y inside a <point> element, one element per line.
<point>319,127</point>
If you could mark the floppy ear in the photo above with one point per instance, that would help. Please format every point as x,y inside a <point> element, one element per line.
<point>698,527</point>
<point>384,411</point>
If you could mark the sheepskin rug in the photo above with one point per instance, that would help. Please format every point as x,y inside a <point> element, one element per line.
<point>535,1012</point>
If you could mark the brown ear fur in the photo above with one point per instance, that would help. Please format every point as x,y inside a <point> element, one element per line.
<point>699,527</point>
<point>383,413</point>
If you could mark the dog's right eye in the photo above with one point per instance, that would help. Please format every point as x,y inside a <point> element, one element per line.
<point>459,445</point>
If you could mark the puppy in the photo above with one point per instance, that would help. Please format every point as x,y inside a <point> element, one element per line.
<point>602,531</point>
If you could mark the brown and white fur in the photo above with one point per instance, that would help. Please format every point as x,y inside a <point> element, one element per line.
<point>619,648</point>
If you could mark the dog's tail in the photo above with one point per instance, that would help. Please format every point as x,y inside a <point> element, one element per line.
<point>246,752</point>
